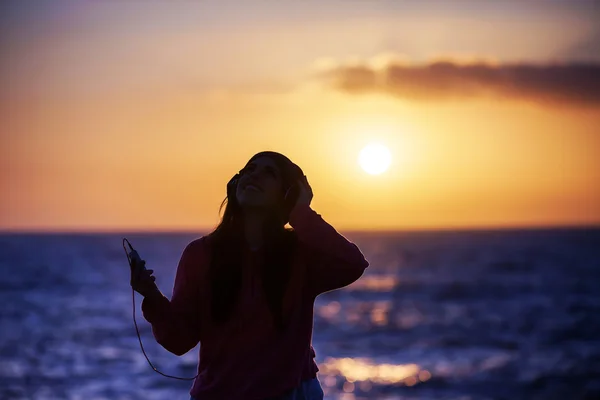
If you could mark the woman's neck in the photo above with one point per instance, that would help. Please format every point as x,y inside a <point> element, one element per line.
<point>253,228</point>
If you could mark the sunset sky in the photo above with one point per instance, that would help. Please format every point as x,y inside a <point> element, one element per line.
<point>131,114</point>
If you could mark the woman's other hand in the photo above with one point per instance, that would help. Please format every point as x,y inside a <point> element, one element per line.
<point>306,194</point>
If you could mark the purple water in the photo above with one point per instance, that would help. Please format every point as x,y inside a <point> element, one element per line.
<point>446,315</point>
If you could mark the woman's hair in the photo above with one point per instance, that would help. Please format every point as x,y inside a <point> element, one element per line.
<point>227,251</point>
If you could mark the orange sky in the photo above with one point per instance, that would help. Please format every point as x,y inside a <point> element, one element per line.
<point>134,115</point>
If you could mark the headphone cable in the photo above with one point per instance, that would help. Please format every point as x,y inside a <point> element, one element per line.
<point>135,322</point>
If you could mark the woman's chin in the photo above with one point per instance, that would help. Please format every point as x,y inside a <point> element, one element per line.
<point>253,204</point>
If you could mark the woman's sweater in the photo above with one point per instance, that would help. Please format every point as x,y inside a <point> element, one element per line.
<point>247,358</point>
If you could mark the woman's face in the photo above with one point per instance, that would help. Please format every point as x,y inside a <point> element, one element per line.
<point>260,184</point>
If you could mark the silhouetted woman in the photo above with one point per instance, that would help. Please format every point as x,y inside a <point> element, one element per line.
<point>246,291</point>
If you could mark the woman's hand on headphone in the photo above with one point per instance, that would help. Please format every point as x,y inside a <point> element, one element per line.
<point>306,193</point>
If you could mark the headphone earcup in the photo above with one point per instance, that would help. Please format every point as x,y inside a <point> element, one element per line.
<point>290,199</point>
<point>232,186</point>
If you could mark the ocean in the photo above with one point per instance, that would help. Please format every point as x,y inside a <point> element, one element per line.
<point>438,315</point>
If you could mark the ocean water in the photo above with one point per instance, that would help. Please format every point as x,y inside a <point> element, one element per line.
<point>438,315</point>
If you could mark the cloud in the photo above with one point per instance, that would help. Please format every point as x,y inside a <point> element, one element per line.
<point>586,49</point>
<point>571,83</point>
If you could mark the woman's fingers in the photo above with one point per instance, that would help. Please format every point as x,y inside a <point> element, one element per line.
<point>139,269</point>
<point>305,196</point>
<point>148,277</point>
<point>142,280</point>
<point>141,275</point>
<point>144,275</point>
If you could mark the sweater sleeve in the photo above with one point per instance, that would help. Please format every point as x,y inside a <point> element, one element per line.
<point>332,261</point>
<point>176,322</point>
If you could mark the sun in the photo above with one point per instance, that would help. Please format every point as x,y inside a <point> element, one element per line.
<point>375,158</point>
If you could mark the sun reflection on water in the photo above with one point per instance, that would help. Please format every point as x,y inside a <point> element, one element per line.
<point>375,283</point>
<point>330,310</point>
<point>379,313</point>
<point>366,373</point>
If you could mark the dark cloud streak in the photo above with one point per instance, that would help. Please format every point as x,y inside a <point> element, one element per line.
<point>574,83</point>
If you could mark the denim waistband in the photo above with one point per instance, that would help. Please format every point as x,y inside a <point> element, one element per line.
<point>307,390</point>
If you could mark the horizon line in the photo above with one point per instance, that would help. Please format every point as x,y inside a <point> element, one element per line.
<point>132,230</point>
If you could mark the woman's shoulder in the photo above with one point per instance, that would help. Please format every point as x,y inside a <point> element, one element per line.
<point>198,249</point>
<point>199,242</point>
